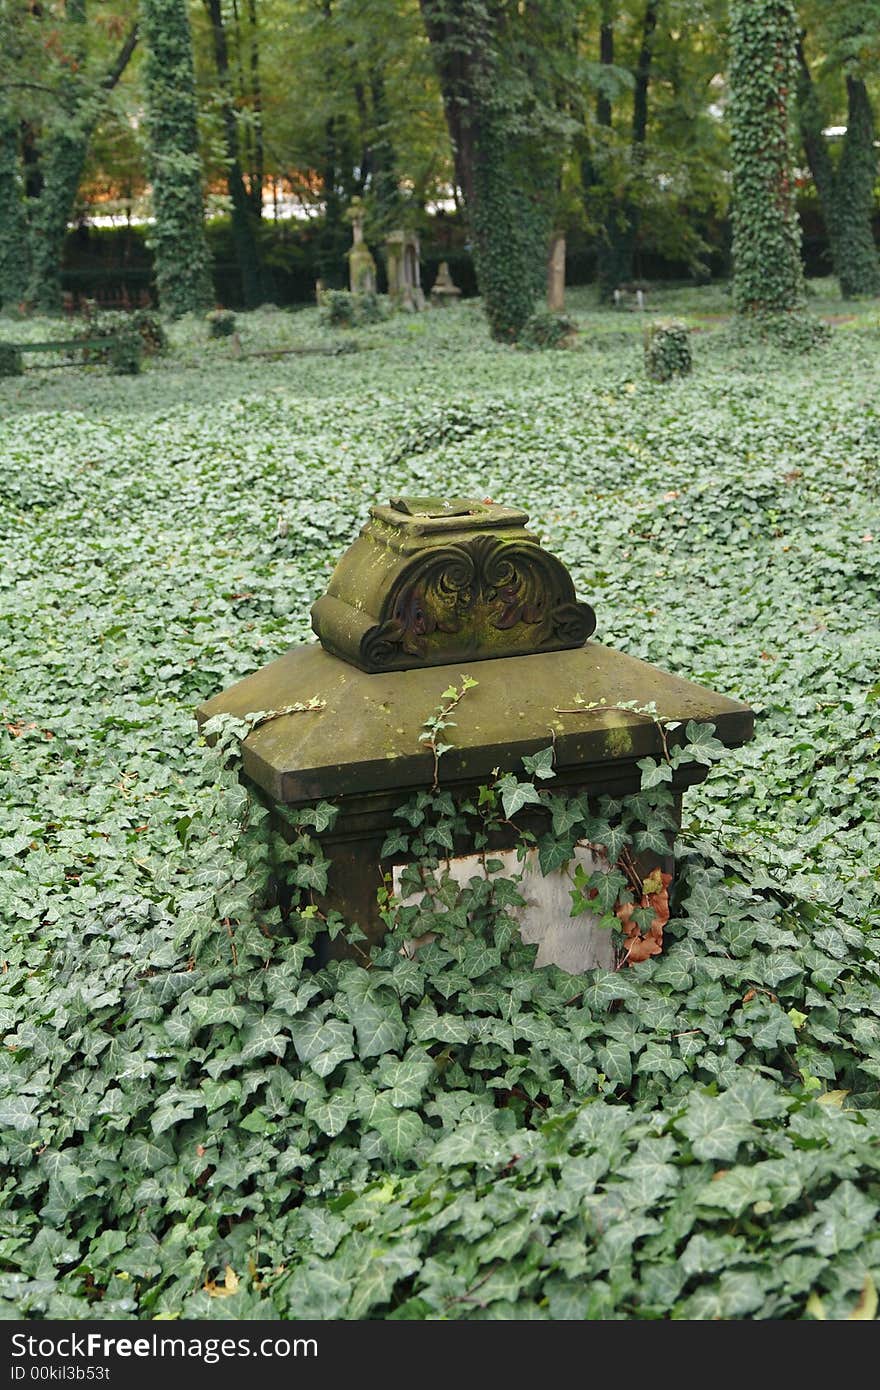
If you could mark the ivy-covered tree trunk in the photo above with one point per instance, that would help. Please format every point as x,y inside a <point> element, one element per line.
<point>62,166</point>
<point>178,237</point>
<point>62,160</point>
<point>244,236</point>
<point>768,274</point>
<point>505,164</point>
<point>14,246</point>
<point>858,266</point>
<point>846,192</point>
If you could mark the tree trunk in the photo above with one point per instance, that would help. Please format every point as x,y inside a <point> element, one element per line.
<point>768,276</point>
<point>506,171</point>
<point>382,156</point>
<point>613,254</point>
<point>62,166</point>
<point>330,258</point>
<point>258,173</point>
<point>178,236</point>
<point>14,248</point>
<point>846,194</point>
<point>243,233</point>
<point>617,244</point>
<point>858,267</point>
<point>556,274</point>
<point>457,43</point>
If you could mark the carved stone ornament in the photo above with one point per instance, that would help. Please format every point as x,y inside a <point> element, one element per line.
<point>430,582</point>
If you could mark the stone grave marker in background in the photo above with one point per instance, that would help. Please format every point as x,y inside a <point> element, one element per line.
<point>402,253</point>
<point>361,266</point>
<point>444,291</point>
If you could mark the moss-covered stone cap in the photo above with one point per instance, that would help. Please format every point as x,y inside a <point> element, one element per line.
<point>433,580</point>
<point>365,738</point>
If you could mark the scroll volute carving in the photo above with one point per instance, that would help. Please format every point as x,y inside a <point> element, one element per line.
<point>432,583</point>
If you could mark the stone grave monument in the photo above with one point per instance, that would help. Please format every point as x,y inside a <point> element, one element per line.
<point>443,290</point>
<point>361,266</point>
<point>431,589</point>
<point>404,272</point>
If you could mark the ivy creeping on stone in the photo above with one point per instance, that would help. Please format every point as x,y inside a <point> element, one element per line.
<point>549,331</point>
<point>10,360</point>
<point>178,238</point>
<point>14,250</point>
<point>768,275</point>
<point>342,309</point>
<point>221,323</point>
<point>667,350</point>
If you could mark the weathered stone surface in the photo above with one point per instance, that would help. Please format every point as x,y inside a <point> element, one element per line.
<point>429,582</point>
<point>545,920</point>
<point>365,741</point>
<point>361,266</point>
<point>402,253</point>
<point>434,589</point>
<point>444,290</point>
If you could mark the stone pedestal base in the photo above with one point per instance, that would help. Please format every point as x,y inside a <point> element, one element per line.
<point>575,944</point>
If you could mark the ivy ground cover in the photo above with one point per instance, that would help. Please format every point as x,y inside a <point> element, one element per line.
<point>197,1121</point>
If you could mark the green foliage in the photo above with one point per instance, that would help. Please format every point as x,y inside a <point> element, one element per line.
<point>185,1087</point>
<point>221,323</point>
<point>142,324</point>
<point>14,246</point>
<point>151,329</point>
<point>503,79</point>
<point>794,332</point>
<point>11,363</point>
<point>126,351</point>
<point>178,236</point>
<point>768,276</point>
<point>845,186</point>
<point>547,330</point>
<point>857,262</point>
<point>342,309</point>
<point>667,349</point>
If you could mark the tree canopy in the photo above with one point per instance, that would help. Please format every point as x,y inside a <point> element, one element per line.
<point>608,120</point>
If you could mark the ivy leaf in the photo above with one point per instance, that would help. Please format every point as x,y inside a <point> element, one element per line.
<point>653,772</point>
<point>401,1131</point>
<point>613,837</point>
<point>406,1079</point>
<point>615,1060</point>
<point>540,764</point>
<point>312,873</point>
<point>378,1024</point>
<point>701,743</point>
<point>515,795</point>
<point>553,853</point>
<point>264,1037</point>
<point>332,1114</point>
<point>323,1043</point>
